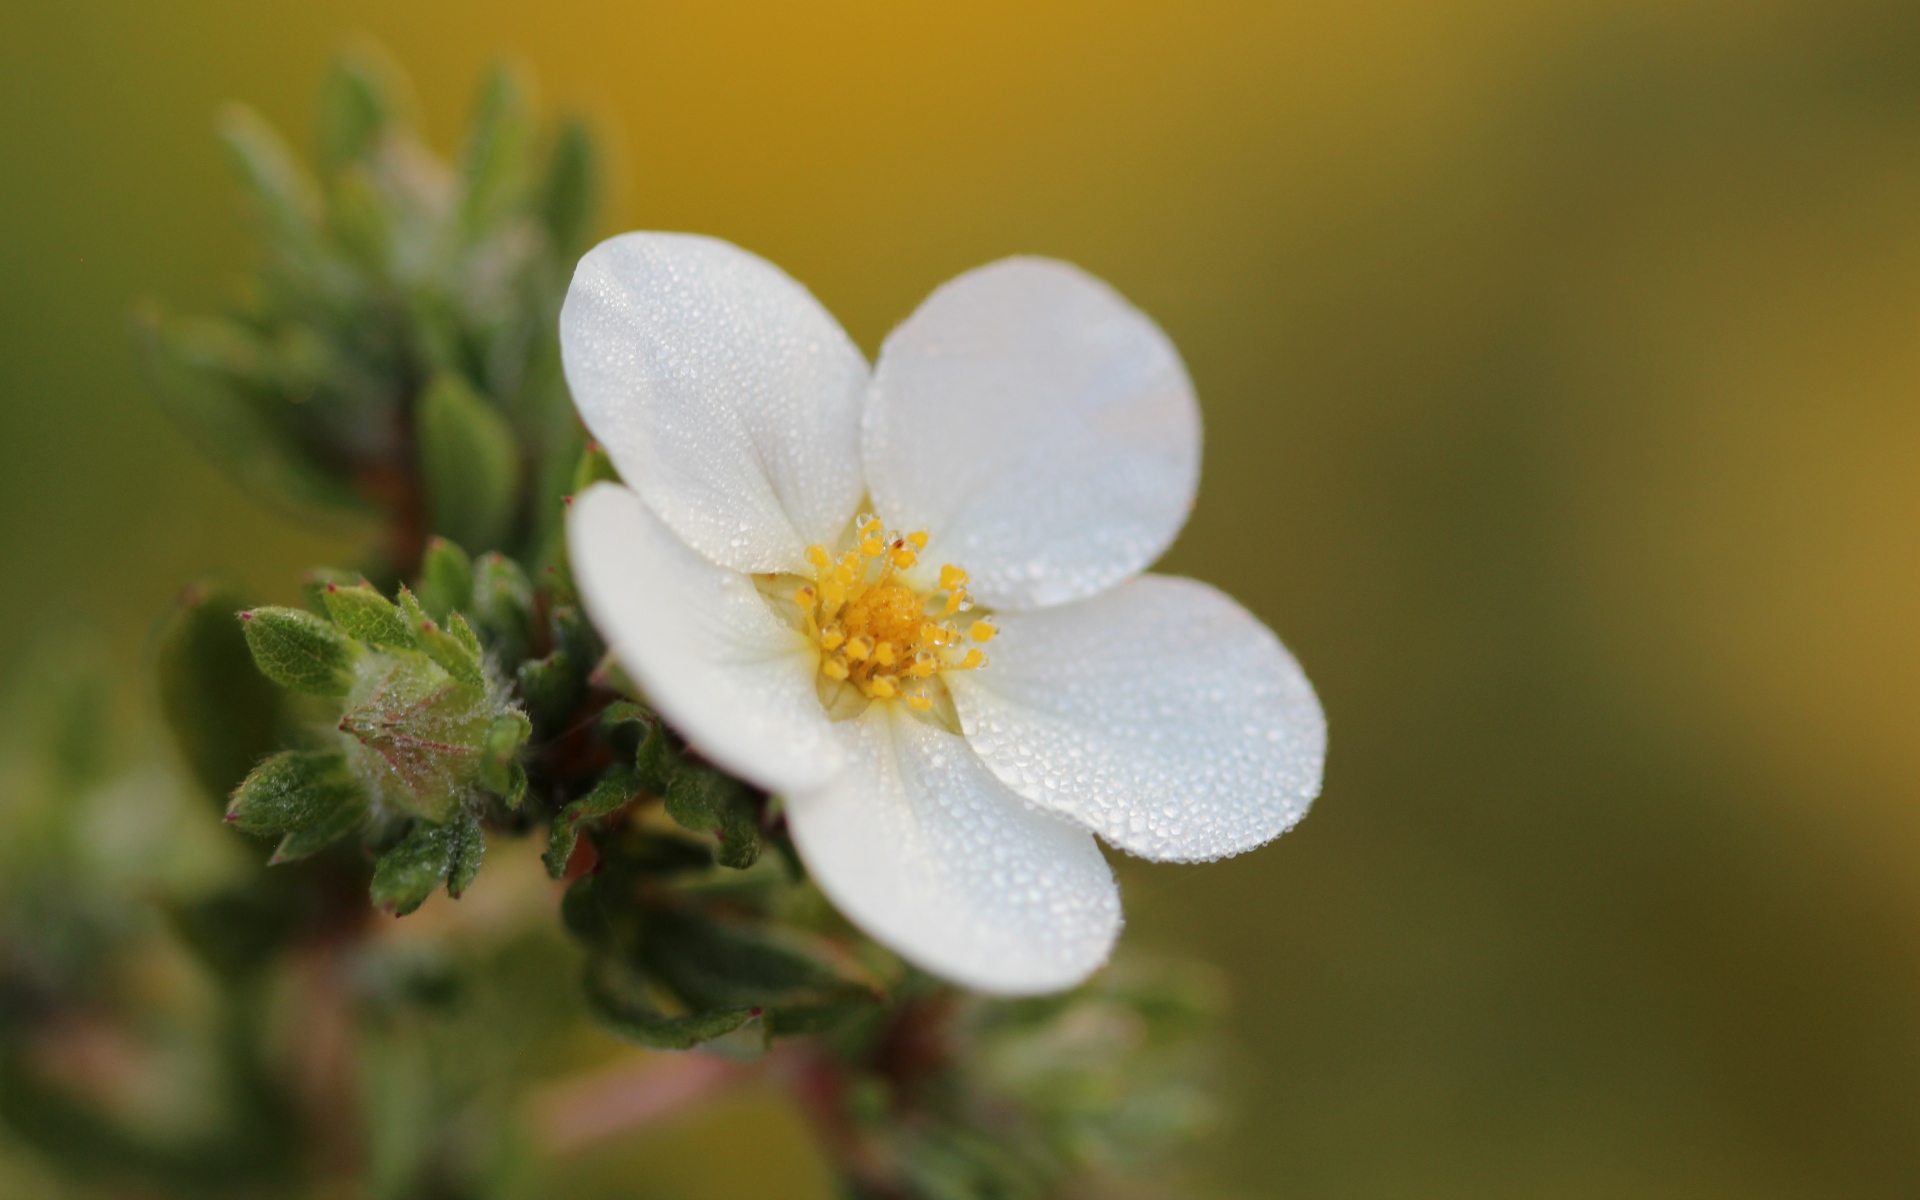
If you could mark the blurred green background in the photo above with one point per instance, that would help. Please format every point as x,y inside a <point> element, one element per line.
<point>1561,370</point>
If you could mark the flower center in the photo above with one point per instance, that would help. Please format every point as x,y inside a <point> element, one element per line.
<point>879,634</point>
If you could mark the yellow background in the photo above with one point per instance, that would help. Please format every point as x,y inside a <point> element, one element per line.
<point>1561,369</point>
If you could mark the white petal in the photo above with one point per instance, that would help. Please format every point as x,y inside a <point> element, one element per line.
<point>733,678</point>
<point>1041,428</point>
<point>1162,715</point>
<point>727,396</point>
<point>920,846</point>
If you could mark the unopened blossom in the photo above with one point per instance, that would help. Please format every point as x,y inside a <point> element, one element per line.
<point>909,599</point>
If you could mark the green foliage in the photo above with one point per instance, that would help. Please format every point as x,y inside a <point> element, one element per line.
<point>722,807</point>
<point>470,463</point>
<point>366,615</point>
<point>426,857</point>
<point>299,651</point>
<point>308,798</point>
<point>446,579</point>
<point>223,714</point>
<point>395,353</point>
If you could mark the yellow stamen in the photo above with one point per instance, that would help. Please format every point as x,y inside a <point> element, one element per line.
<point>876,632</point>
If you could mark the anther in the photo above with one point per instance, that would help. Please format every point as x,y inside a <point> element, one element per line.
<point>834,668</point>
<point>983,631</point>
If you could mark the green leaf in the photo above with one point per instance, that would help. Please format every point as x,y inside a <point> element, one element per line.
<point>409,872</point>
<point>653,758</point>
<point>570,194</point>
<point>221,712</point>
<point>367,615</point>
<point>469,462</point>
<point>446,579</point>
<point>493,163</point>
<point>552,686</point>
<point>314,584</point>
<point>283,195</point>
<point>260,455</point>
<point>503,606</point>
<point>616,788</point>
<point>458,656</point>
<point>725,964</point>
<point>298,650</point>
<point>358,100</point>
<point>619,1001</point>
<point>720,806</point>
<point>497,766</point>
<point>311,797</point>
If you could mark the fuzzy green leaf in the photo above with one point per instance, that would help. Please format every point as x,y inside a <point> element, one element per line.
<point>357,101</point>
<point>503,606</point>
<point>493,164</point>
<point>300,651</point>
<point>367,615</point>
<point>284,197</point>
<point>653,758</point>
<point>446,579</point>
<point>617,787</point>
<point>453,654</point>
<point>567,200</point>
<point>470,463</point>
<point>261,456</point>
<point>619,1001</point>
<point>507,734</point>
<point>311,797</point>
<point>430,854</point>
<point>221,711</point>
<point>720,806</point>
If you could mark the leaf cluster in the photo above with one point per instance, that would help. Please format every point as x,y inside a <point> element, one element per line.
<point>394,355</point>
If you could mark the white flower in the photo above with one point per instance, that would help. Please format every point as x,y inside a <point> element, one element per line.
<point>784,580</point>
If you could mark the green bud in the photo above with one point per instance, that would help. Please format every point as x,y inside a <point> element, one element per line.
<point>425,734</point>
<point>367,615</point>
<point>470,463</point>
<point>446,579</point>
<point>299,651</point>
<point>221,711</point>
<point>720,806</point>
<point>311,797</point>
<point>430,854</point>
